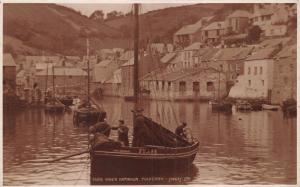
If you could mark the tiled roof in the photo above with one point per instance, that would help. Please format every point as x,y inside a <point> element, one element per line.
<point>42,65</point>
<point>8,60</point>
<point>265,53</point>
<point>274,42</point>
<point>188,29</point>
<point>263,12</point>
<point>240,14</point>
<point>61,71</point>
<point>233,53</point>
<point>193,46</point>
<point>207,54</point>
<point>168,57</point>
<point>287,51</point>
<point>215,26</point>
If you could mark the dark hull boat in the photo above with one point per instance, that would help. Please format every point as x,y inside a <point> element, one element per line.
<point>168,156</point>
<point>89,115</point>
<point>154,161</point>
<point>67,101</point>
<point>54,107</point>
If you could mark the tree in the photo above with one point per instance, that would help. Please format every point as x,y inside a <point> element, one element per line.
<point>98,15</point>
<point>113,15</point>
<point>254,34</point>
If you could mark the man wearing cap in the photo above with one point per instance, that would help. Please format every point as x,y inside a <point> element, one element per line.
<point>122,133</point>
<point>180,130</point>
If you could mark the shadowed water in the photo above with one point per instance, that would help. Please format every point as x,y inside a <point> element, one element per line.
<point>237,148</point>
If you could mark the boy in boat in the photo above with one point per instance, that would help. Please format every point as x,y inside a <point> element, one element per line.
<point>141,133</point>
<point>122,133</point>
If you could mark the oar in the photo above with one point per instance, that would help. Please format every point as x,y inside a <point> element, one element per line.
<point>68,156</point>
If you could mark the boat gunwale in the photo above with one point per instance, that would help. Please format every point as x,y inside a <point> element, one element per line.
<point>193,150</point>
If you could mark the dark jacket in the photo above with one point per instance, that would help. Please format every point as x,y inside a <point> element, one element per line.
<point>141,133</point>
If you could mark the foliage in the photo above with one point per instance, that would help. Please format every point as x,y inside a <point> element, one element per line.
<point>98,15</point>
<point>254,34</point>
<point>113,15</point>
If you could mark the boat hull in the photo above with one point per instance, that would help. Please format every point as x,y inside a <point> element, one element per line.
<point>152,162</point>
<point>270,107</point>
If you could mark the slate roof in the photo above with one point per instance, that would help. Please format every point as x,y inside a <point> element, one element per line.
<point>215,26</point>
<point>8,60</point>
<point>238,53</point>
<point>265,53</point>
<point>188,29</point>
<point>274,42</point>
<point>287,51</point>
<point>168,57</point>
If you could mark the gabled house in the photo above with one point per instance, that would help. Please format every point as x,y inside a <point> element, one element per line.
<point>213,32</point>
<point>188,59</point>
<point>104,70</point>
<point>237,22</point>
<point>189,34</point>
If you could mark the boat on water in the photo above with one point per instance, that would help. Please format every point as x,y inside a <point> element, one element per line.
<point>243,105</point>
<point>52,104</point>
<point>66,100</point>
<point>270,107</point>
<point>166,155</point>
<point>220,106</point>
<point>88,113</point>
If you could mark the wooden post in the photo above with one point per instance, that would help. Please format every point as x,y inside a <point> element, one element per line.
<point>136,53</point>
<point>88,69</point>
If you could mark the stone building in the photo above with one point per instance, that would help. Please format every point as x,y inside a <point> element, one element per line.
<point>9,72</point>
<point>237,22</point>
<point>65,78</point>
<point>213,32</point>
<point>285,75</point>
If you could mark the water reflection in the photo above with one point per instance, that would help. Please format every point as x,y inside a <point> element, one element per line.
<point>237,148</point>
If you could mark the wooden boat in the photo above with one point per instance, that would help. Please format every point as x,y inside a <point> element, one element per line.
<point>270,107</point>
<point>88,113</point>
<point>54,106</point>
<point>220,106</point>
<point>243,105</point>
<point>66,100</point>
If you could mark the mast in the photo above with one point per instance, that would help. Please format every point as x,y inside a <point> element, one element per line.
<point>136,54</point>
<point>88,68</point>
<point>53,80</point>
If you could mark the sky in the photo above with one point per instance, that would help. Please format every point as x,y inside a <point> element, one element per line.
<point>88,9</point>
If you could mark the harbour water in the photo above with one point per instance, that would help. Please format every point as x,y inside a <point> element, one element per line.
<point>238,148</point>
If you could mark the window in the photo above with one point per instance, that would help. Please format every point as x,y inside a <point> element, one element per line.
<point>261,70</point>
<point>291,66</point>
<point>169,85</point>
<point>206,33</point>
<point>196,86</point>
<point>162,85</point>
<point>221,67</point>
<point>263,82</point>
<point>255,70</point>
<point>249,82</point>
<point>70,76</point>
<point>218,32</point>
<point>249,71</point>
<point>157,85</point>
<point>210,86</point>
<point>182,86</point>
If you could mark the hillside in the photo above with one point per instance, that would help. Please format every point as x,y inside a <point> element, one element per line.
<point>159,25</point>
<point>53,28</point>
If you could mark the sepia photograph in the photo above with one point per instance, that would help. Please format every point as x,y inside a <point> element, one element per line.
<point>138,93</point>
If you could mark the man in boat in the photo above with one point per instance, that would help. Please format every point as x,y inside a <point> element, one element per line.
<point>122,133</point>
<point>180,130</point>
<point>101,127</point>
<point>141,133</point>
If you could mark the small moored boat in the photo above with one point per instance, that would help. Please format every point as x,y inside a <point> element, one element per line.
<point>270,107</point>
